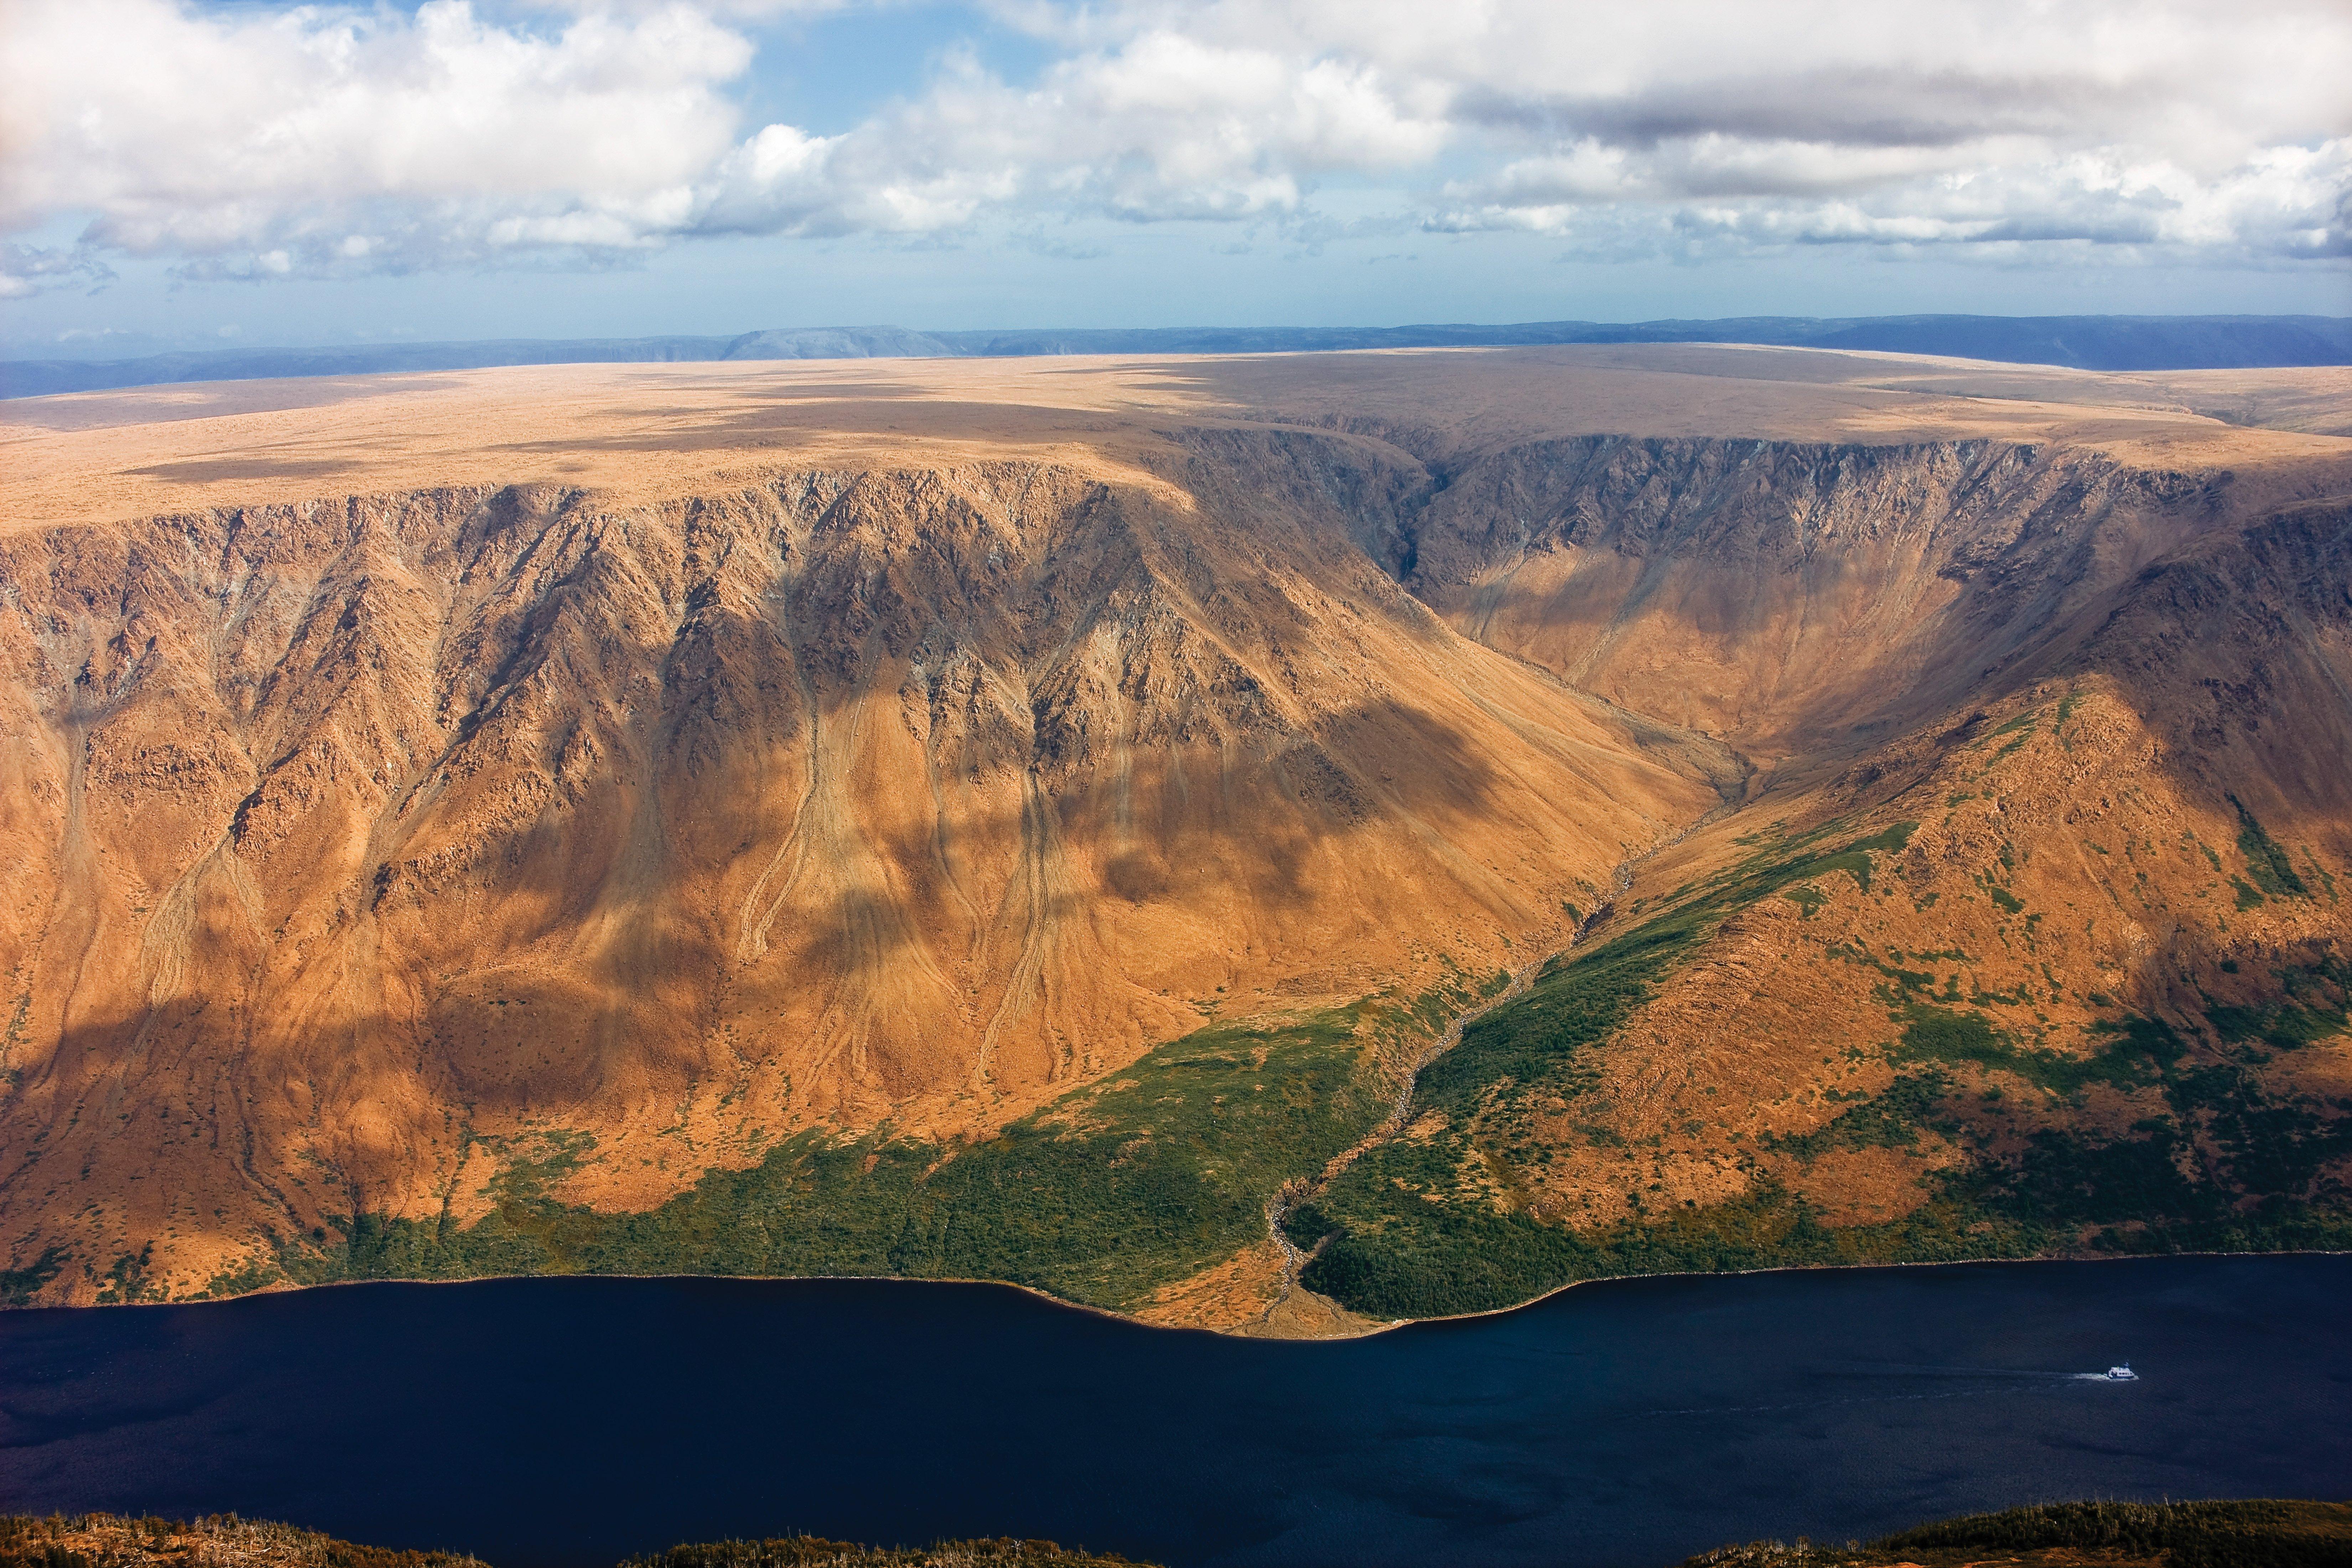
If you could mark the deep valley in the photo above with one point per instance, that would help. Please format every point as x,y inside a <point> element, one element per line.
<point>1040,822</point>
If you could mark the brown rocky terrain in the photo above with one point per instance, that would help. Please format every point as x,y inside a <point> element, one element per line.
<point>487,802</point>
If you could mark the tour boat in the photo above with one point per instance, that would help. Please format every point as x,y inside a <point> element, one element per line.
<point>2123,1373</point>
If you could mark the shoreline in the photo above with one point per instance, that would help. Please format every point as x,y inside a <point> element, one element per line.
<point>1047,1297</point>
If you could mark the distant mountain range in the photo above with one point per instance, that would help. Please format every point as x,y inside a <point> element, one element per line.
<point>2084,343</point>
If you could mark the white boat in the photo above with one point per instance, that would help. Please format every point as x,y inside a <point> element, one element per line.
<point>2122,1373</point>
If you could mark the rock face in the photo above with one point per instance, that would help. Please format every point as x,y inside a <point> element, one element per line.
<point>355,846</point>
<point>1798,595</point>
<point>2029,936</point>
<point>346,833</point>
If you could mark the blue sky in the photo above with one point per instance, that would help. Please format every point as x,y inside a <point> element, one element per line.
<point>178,176</point>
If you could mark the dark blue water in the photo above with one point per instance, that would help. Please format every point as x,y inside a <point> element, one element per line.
<point>571,1421</point>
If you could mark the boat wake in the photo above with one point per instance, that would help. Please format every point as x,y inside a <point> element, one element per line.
<point>2120,1373</point>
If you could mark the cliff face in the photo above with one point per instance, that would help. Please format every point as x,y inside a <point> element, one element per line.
<point>502,861</point>
<point>347,835</point>
<point>1798,596</point>
<point>2030,935</point>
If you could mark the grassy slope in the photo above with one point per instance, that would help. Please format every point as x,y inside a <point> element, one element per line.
<point>1164,1171</point>
<point>1102,1197</point>
<point>1121,1188</point>
<point>1427,1225</point>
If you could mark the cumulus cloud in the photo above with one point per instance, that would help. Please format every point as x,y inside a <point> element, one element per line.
<point>322,141</point>
<point>311,139</point>
<point>2178,129</point>
<point>1167,126</point>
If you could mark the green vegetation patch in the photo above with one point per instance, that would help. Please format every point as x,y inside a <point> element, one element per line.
<point>127,1279</point>
<point>1854,859</point>
<point>2225,1166</point>
<point>2266,862</point>
<point>1428,1246</point>
<point>1893,1120</point>
<point>1437,1222</point>
<point>1410,1260</point>
<point>1103,1196</point>
<point>2313,1008</point>
<point>1427,1224</point>
<point>1931,1034</point>
<point>1457,1259</point>
<point>19,1286</point>
<point>2022,731</point>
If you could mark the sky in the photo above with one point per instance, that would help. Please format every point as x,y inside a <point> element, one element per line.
<point>179,176</point>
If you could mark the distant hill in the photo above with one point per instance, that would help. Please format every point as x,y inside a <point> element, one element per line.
<point>2083,342</point>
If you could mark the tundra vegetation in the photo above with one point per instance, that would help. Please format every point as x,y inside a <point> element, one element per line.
<point>2258,1533</point>
<point>2261,1534</point>
<point>226,1541</point>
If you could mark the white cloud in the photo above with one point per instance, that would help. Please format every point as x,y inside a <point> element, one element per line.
<point>323,141</point>
<point>2185,129</point>
<point>317,139</point>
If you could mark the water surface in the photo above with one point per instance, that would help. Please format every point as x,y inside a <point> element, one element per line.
<point>566,1423</point>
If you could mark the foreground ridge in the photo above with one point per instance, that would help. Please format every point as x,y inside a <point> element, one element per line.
<point>226,1541</point>
<point>2259,1533</point>
<point>210,1540</point>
